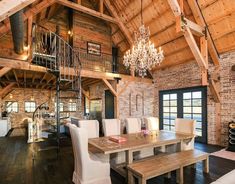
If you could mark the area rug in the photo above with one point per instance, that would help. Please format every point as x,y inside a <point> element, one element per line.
<point>224,154</point>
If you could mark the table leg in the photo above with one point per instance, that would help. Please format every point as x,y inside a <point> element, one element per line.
<point>206,165</point>
<point>141,180</point>
<point>180,175</point>
<point>129,160</point>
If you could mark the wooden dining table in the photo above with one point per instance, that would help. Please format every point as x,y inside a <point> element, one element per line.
<point>136,142</point>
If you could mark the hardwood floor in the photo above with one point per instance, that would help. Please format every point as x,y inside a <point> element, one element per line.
<point>18,167</point>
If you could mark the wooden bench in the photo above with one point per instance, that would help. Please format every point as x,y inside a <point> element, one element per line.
<point>150,168</point>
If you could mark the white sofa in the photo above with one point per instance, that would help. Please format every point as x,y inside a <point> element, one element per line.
<point>228,178</point>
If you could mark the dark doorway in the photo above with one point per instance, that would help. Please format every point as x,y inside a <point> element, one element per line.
<point>109,105</point>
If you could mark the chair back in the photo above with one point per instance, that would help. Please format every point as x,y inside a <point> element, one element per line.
<point>185,125</point>
<point>133,125</point>
<point>111,127</point>
<point>152,123</point>
<point>80,148</point>
<point>74,121</point>
<point>92,127</point>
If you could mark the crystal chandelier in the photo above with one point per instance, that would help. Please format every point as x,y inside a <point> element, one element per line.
<point>143,56</point>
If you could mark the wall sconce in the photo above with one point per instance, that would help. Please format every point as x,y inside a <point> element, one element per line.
<point>70,33</point>
<point>11,96</point>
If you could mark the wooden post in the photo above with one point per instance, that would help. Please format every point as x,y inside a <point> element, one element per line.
<point>101,8</point>
<point>204,52</point>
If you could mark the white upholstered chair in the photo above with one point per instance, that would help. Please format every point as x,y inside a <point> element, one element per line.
<point>133,125</point>
<point>113,127</point>
<point>151,123</point>
<point>187,126</point>
<point>86,170</point>
<point>92,128</point>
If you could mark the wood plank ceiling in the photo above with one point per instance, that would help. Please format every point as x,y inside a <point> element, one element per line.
<point>219,16</point>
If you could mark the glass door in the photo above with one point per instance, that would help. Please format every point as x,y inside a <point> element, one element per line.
<point>188,103</point>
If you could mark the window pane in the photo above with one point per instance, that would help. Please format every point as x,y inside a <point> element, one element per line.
<point>198,132</point>
<point>11,106</point>
<point>173,116</point>
<point>197,110</point>
<point>166,115</point>
<point>172,128</point>
<point>166,97</point>
<point>166,109</point>
<point>166,127</point>
<point>187,102</point>
<point>197,102</point>
<point>173,96</point>
<point>197,94</point>
<point>166,121</point>
<point>197,117</point>
<point>30,106</point>
<point>199,125</point>
<point>187,116</point>
<point>172,122</point>
<point>187,95</point>
<point>166,103</point>
<point>187,109</point>
<point>173,103</point>
<point>173,109</point>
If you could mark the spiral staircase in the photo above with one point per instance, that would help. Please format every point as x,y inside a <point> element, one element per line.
<point>49,50</point>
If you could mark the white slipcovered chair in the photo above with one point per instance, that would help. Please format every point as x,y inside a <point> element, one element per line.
<point>113,127</point>
<point>133,125</point>
<point>151,123</point>
<point>226,179</point>
<point>86,170</point>
<point>92,127</point>
<point>187,126</point>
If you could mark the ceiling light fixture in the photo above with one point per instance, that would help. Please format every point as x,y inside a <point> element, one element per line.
<point>143,56</point>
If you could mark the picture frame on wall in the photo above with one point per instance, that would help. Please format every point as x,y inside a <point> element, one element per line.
<point>94,48</point>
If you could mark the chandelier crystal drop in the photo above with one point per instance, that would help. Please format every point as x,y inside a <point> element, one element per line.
<point>143,56</point>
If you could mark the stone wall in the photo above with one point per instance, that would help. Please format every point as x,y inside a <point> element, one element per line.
<point>188,75</point>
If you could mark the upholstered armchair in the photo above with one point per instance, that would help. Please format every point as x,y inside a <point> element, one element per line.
<point>113,127</point>
<point>86,170</point>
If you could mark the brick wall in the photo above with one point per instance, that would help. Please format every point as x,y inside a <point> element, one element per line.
<point>39,96</point>
<point>188,75</point>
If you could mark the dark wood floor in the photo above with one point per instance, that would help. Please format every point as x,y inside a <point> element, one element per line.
<point>18,167</point>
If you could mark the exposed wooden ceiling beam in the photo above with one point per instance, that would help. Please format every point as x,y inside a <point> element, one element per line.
<point>101,6</point>
<point>16,78</point>
<point>6,89</point>
<point>194,48</point>
<point>200,20</point>
<point>30,12</point>
<point>4,70</point>
<point>9,7</point>
<point>22,65</point>
<point>86,10</point>
<point>113,91</point>
<point>120,23</point>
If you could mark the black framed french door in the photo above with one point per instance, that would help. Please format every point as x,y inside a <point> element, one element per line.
<point>187,103</point>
